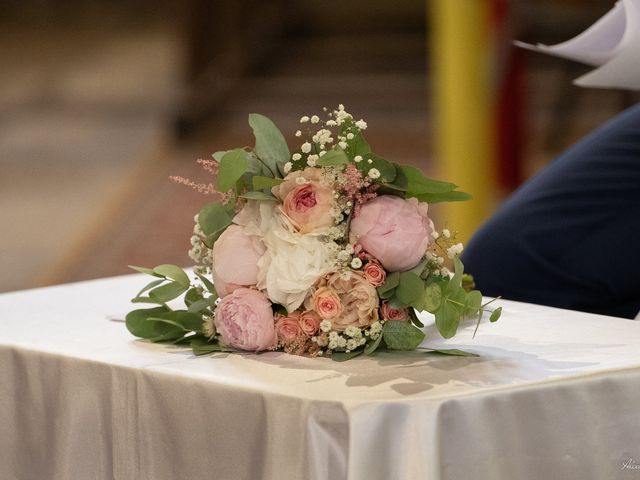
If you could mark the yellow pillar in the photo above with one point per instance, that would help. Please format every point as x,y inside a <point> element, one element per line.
<point>462,106</point>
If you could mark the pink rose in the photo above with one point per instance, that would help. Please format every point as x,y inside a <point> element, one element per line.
<point>288,328</point>
<point>244,320</point>
<point>358,297</point>
<point>390,313</point>
<point>327,303</point>
<point>374,273</point>
<point>309,322</point>
<point>307,205</point>
<point>394,230</point>
<point>235,260</point>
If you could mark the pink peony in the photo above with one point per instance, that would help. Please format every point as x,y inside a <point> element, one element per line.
<point>244,320</point>
<point>309,322</point>
<point>307,205</point>
<point>327,303</point>
<point>235,260</point>
<point>374,273</point>
<point>394,230</point>
<point>390,313</point>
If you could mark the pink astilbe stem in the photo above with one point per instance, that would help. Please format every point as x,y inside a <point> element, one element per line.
<point>210,166</point>
<point>206,188</point>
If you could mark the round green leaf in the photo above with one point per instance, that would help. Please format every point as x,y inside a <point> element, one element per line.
<point>433,297</point>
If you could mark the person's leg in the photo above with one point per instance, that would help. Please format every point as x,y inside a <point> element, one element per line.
<point>570,237</point>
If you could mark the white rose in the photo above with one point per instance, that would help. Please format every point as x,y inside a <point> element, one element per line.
<point>292,262</point>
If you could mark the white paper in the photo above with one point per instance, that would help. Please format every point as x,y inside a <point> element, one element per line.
<point>612,44</point>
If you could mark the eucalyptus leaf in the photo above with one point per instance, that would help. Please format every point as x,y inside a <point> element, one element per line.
<point>458,269</point>
<point>203,346</point>
<point>188,321</point>
<point>232,166</point>
<point>168,322</point>
<point>336,156</point>
<point>455,196</point>
<point>387,169</point>
<point>447,319</point>
<point>258,196</point>
<point>401,335</point>
<point>207,283</point>
<point>213,219</point>
<point>167,292</point>
<point>149,286</point>
<point>147,271</point>
<point>259,182</point>
<point>344,356</point>
<point>357,145</point>
<point>174,273</point>
<point>386,289</point>
<point>433,297</point>
<point>199,306</point>
<point>217,156</point>
<point>171,334</point>
<point>136,321</point>
<point>371,347</point>
<point>193,295</point>
<point>145,300</point>
<point>473,302</point>
<point>418,183</point>
<point>410,289</point>
<point>452,351</point>
<point>271,147</point>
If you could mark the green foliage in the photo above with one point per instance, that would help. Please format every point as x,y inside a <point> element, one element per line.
<point>203,346</point>
<point>232,166</point>
<point>335,156</point>
<point>387,289</point>
<point>213,219</point>
<point>357,145</point>
<point>429,190</point>
<point>145,270</point>
<point>259,182</point>
<point>187,321</point>
<point>447,318</point>
<point>344,356</point>
<point>167,292</point>
<point>410,290</point>
<point>208,284</point>
<point>451,351</point>
<point>495,315</point>
<point>192,296</point>
<point>371,347</point>
<point>174,273</point>
<point>454,196</point>
<point>401,335</point>
<point>149,286</point>
<point>271,147</point>
<point>386,168</point>
<point>258,196</point>
<point>141,323</point>
<point>433,297</point>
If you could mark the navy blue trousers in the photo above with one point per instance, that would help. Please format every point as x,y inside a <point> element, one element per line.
<point>570,236</point>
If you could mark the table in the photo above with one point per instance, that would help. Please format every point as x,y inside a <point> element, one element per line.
<point>553,395</point>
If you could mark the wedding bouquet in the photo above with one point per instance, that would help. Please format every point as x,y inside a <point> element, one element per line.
<point>326,251</point>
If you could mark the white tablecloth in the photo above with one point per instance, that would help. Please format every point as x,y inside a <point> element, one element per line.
<point>555,394</point>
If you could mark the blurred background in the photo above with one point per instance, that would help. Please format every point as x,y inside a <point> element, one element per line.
<point>100,101</point>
